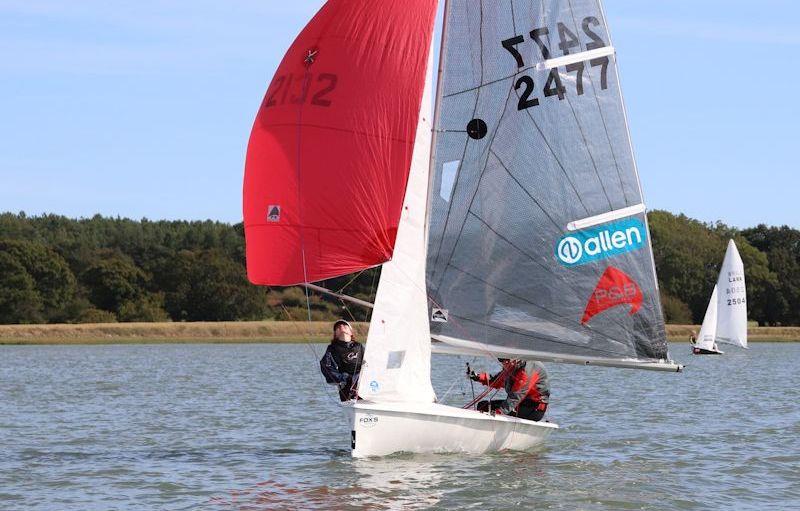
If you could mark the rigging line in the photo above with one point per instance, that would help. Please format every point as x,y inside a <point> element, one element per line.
<point>300,214</point>
<point>466,144</point>
<point>600,109</point>
<point>525,190</point>
<point>589,152</point>
<point>450,389</point>
<point>580,128</point>
<point>472,199</point>
<point>313,353</point>
<point>546,142</point>
<point>368,314</point>
<point>525,253</point>
<point>504,373</point>
<point>559,316</point>
<point>304,89</point>
<point>558,161</point>
<point>469,208</point>
<point>430,299</point>
<point>351,281</point>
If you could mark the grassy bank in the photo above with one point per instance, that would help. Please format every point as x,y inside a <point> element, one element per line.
<point>681,333</point>
<point>254,332</point>
<point>200,332</point>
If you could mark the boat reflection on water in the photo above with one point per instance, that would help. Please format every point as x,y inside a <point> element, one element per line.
<point>403,481</point>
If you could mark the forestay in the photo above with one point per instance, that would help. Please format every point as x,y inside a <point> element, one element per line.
<point>538,239</point>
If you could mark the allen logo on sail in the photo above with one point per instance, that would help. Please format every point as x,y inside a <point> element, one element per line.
<point>601,242</point>
<point>614,288</point>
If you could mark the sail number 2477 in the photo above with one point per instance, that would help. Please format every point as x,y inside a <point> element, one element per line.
<point>569,42</point>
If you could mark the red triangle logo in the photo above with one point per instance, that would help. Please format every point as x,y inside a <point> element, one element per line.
<point>614,288</point>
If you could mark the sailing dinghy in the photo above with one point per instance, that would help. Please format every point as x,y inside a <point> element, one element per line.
<point>510,223</point>
<point>726,316</point>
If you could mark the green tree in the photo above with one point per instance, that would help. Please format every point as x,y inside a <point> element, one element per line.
<point>53,280</point>
<point>781,245</point>
<point>113,280</point>
<point>147,308</point>
<point>19,300</point>
<point>688,256</point>
<point>212,287</point>
<point>675,311</point>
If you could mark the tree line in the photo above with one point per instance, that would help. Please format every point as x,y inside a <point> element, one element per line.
<point>55,269</point>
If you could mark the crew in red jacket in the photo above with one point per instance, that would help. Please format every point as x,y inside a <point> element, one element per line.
<point>526,386</point>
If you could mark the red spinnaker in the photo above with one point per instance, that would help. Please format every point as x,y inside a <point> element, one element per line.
<point>330,151</point>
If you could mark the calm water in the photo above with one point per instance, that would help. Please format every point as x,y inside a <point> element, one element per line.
<point>251,427</point>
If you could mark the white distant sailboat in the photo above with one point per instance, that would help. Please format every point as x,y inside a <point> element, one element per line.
<point>726,316</point>
<point>508,224</point>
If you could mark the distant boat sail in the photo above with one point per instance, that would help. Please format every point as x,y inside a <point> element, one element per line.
<point>522,235</point>
<point>726,316</point>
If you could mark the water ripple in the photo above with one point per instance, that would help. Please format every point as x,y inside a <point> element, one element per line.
<point>250,427</point>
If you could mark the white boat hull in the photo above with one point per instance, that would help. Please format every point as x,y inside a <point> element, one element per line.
<point>382,429</point>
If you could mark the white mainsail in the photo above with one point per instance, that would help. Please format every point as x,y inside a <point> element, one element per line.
<point>732,300</point>
<point>397,360</point>
<point>539,244</point>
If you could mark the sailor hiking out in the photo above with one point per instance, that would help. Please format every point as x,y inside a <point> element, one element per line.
<point>526,385</point>
<point>342,360</point>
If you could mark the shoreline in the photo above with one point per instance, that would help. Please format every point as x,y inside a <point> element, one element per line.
<point>267,332</point>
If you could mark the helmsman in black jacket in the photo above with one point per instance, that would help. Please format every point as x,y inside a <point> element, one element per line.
<point>342,360</point>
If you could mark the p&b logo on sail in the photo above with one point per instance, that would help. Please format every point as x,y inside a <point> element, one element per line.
<point>601,242</point>
<point>614,288</point>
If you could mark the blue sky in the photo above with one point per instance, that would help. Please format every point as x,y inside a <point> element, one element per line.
<point>143,108</point>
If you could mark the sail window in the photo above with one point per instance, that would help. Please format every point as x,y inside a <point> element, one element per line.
<point>449,171</point>
<point>395,359</point>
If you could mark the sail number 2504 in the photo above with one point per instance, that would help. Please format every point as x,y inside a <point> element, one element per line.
<point>569,43</point>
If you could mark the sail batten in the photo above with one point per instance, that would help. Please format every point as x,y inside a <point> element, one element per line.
<point>574,58</point>
<point>538,242</point>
